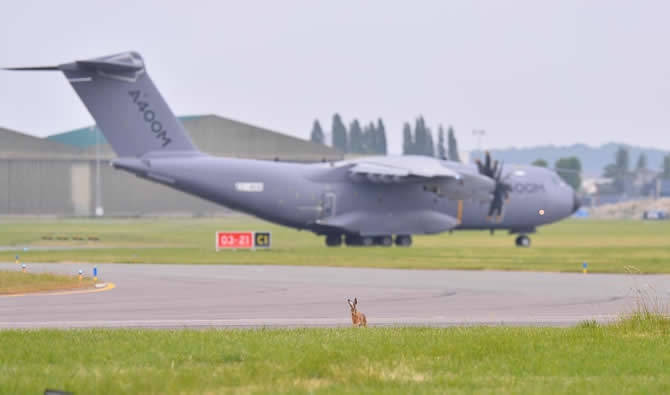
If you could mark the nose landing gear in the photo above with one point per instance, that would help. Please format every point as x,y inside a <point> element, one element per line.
<point>522,241</point>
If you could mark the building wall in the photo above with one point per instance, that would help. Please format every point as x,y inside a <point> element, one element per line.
<point>35,187</point>
<point>69,188</point>
<point>45,177</point>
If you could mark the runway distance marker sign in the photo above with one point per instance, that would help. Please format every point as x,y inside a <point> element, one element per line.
<point>242,240</point>
<point>262,239</point>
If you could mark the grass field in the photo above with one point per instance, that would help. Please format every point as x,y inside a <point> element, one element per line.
<point>16,282</point>
<point>631,356</point>
<point>607,246</point>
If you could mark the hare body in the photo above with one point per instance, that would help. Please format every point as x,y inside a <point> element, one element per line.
<point>357,318</point>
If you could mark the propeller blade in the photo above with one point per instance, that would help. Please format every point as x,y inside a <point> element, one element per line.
<point>500,195</point>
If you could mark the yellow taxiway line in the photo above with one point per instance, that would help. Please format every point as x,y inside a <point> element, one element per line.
<point>107,287</point>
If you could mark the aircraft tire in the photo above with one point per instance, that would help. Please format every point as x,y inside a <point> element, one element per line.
<point>334,240</point>
<point>351,240</point>
<point>384,241</point>
<point>403,240</point>
<point>522,241</point>
<point>367,241</point>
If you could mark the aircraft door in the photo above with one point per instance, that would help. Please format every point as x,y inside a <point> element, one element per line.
<point>328,205</point>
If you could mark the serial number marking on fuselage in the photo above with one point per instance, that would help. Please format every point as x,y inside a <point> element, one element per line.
<point>149,117</point>
<point>249,186</point>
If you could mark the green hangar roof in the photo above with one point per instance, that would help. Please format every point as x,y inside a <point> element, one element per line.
<point>80,138</point>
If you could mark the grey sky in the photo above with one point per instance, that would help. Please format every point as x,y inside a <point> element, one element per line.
<point>528,72</point>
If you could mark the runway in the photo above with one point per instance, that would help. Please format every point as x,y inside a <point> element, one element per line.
<point>223,296</point>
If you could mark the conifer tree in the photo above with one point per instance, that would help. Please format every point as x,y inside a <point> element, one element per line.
<point>407,140</point>
<point>339,134</point>
<point>382,149</point>
<point>441,152</point>
<point>452,146</point>
<point>317,133</point>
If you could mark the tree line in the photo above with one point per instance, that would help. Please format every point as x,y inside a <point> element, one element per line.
<point>569,169</point>
<point>357,139</point>
<point>371,138</point>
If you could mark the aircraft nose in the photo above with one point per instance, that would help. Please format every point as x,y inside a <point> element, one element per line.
<point>576,203</point>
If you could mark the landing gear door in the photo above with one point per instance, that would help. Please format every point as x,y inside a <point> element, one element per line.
<point>328,205</point>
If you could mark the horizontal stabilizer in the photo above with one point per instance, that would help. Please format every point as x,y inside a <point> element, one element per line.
<point>124,62</point>
<point>37,68</point>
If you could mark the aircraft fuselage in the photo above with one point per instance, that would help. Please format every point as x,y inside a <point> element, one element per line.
<point>323,198</point>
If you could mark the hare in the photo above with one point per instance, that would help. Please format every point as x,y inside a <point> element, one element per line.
<point>357,317</point>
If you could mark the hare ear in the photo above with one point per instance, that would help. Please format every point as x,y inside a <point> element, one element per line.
<point>349,303</point>
<point>355,301</point>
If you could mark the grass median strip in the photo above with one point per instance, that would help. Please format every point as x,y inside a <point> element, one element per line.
<point>607,246</point>
<point>16,282</point>
<point>630,356</point>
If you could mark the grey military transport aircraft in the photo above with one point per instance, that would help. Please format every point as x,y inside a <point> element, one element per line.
<point>361,202</point>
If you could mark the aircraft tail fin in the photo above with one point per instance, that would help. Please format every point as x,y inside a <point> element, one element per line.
<point>125,104</point>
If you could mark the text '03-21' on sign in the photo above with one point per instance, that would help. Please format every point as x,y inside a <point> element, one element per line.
<point>242,240</point>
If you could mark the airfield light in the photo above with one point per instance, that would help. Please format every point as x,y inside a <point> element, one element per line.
<point>23,267</point>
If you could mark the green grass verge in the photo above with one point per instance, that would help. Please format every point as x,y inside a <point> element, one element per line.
<point>607,246</point>
<point>631,356</point>
<point>16,282</point>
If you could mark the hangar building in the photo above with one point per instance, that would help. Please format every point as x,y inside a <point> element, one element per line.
<point>58,175</point>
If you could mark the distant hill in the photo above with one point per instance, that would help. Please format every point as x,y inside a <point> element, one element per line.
<point>593,159</point>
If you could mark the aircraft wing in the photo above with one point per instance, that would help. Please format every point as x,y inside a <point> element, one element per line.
<point>396,168</point>
<point>450,179</point>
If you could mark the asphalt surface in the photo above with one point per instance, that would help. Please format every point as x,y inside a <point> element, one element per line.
<point>222,296</point>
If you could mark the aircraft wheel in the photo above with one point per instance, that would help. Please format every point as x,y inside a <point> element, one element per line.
<point>351,240</point>
<point>334,240</point>
<point>385,241</point>
<point>367,241</point>
<point>523,241</point>
<point>403,240</point>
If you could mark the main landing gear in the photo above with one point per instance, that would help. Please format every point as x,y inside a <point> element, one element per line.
<point>335,240</point>
<point>522,241</point>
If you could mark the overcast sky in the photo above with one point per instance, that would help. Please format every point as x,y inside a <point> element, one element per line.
<point>528,72</point>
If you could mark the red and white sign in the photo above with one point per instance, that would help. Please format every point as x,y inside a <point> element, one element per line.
<point>234,240</point>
